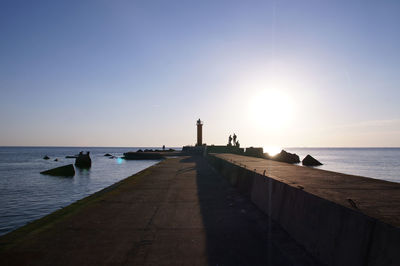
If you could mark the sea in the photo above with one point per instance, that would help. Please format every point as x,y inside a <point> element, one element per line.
<point>26,195</point>
<point>378,163</point>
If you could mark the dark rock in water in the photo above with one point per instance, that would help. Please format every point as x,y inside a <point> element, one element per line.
<point>66,170</point>
<point>112,157</point>
<point>107,154</point>
<point>139,150</point>
<point>56,160</point>
<point>286,157</point>
<point>310,161</point>
<point>71,156</point>
<point>46,157</point>
<point>83,160</point>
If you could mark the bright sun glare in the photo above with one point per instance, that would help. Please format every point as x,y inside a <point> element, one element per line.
<point>271,110</point>
<point>272,150</point>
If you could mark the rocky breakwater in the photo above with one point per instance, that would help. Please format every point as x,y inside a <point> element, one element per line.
<point>141,155</point>
<point>149,154</point>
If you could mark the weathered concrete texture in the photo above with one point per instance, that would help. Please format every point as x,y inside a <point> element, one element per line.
<point>178,212</point>
<point>340,219</point>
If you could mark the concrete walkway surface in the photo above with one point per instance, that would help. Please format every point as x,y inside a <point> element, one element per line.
<point>178,212</point>
<point>376,198</point>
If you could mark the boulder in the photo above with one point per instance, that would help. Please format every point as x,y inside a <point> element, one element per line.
<point>107,154</point>
<point>66,170</point>
<point>286,157</point>
<point>56,160</point>
<point>83,160</point>
<point>46,157</point>
<point>310,161</point>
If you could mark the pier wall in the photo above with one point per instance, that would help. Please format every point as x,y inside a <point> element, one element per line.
<point>334,234</point>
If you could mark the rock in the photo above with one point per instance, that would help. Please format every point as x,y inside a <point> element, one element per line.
<point>139,150</point>
<point>83,160</point>
<point>56,160</point>
<point>310,161</point>
<point>66,170</point>
<point>107,154</point>
<point>286,157</point>
<point>71,156</point>
<point>46,157</point>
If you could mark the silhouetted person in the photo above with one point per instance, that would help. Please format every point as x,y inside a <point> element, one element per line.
<point>163,147</point>
<point>234,139</point>
<point>230,141</point>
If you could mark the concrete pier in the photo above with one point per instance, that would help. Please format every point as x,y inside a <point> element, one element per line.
<point>178,212</point>
<point>340,219</point>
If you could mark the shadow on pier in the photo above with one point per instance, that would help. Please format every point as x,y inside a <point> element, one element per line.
<point>237,233</point>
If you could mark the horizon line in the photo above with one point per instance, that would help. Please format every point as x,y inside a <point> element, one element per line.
<point>292,147</point>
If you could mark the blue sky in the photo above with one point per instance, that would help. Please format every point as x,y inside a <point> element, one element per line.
<point>140,73</point>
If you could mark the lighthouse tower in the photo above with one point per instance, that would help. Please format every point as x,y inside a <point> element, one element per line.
<point>199,133</point>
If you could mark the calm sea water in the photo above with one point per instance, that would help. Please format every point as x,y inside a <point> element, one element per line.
<point>379,163</point>
<point>26,195</point>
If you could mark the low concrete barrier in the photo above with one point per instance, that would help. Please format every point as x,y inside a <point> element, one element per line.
<point>334,234</point>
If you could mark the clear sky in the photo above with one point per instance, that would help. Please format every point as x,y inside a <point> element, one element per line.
<point>140,73</point>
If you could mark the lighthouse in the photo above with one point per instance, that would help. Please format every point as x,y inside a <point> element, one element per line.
<point>199,133</point>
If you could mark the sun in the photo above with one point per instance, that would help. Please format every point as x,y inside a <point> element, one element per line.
<point>272,150</point>
<point>271,109</point>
